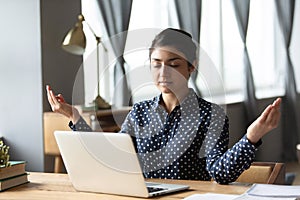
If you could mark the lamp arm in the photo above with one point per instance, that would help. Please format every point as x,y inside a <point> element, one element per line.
<point>98,39</point>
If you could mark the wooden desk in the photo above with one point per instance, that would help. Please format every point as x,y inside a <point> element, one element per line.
<point>58,186</point>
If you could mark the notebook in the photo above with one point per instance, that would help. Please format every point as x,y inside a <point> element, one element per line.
<point>104,162</point>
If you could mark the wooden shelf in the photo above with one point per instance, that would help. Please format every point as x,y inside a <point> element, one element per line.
<point>108,120</point>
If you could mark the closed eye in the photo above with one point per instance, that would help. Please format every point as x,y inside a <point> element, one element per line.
<point>156,65</point>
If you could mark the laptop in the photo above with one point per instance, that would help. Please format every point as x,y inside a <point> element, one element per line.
<point>104,162</point>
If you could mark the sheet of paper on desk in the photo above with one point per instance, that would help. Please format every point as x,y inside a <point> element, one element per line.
<point>270,190</point>
<point>252,197</point>
<point>211,196</point>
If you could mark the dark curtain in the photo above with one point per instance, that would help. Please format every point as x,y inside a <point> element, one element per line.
<point>116,15</point>
<point>290,116</point>
<point>241,8</point>
<point>189,18</point>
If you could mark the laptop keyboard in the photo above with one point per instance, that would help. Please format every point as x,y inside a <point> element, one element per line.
<point>154,189</point>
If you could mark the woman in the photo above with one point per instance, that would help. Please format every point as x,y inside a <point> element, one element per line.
<point>178,134</point>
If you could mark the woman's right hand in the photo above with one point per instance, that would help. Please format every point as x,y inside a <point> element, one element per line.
<point>59,105</point>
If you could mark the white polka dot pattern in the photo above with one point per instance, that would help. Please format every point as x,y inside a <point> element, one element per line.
<point>189,143</point>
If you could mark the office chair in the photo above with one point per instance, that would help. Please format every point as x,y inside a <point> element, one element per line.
<point>264,172</point>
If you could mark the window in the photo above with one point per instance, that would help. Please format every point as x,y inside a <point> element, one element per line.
<point>211,79</point>
<point>221,40</point>
<point>221,67</point>
<point>294,48</point>
<point>92,16</point>
<point>263,44</point>
<point>147,19</point>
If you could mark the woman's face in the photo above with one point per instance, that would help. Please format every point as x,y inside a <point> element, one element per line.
<point>170,70</point>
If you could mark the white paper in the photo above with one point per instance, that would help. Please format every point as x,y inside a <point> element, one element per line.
<point>252,197</point>
<point>211,196</point>
<point>269,190</point>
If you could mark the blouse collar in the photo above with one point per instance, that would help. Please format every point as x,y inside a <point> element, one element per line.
<point>158,99</point>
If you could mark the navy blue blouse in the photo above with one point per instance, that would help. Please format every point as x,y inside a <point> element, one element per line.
<point>189,143</point>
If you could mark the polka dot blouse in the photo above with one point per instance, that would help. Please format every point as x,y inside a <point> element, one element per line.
<point>189,143</point>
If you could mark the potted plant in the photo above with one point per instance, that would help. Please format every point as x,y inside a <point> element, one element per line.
<point>4,156</point>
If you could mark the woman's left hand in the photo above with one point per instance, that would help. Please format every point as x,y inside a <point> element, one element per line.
<point>267,121</point>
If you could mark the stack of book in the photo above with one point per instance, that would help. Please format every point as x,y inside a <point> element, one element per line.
<point>13,175</point>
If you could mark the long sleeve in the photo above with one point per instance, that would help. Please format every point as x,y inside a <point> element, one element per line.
<point>81,125</point>
<point>225,165</point>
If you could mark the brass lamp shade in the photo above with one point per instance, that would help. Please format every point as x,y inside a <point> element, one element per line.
<point>75,40</point>
<point>75,43</point>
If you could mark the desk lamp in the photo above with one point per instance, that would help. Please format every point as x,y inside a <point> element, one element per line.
<point>75,43</point>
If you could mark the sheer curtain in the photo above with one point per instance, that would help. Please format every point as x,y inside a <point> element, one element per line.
<point>290,116</point>
<point>116,15</point>
<point>189,19</point>
<point>241,9</point>
<point>253,49</point>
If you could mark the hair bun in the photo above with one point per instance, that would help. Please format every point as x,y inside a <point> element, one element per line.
<point>180,31</point>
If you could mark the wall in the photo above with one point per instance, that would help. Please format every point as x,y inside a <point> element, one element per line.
<point>31,57</point>
<point>21,81</point>
<point>60,69</point>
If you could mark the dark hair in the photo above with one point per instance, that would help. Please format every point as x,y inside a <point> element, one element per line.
<point>179,39</point>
